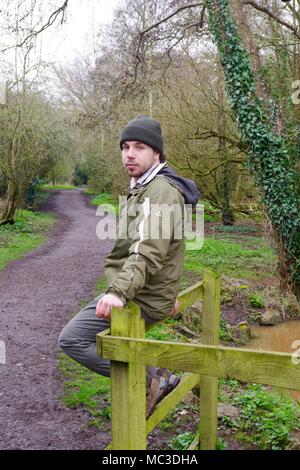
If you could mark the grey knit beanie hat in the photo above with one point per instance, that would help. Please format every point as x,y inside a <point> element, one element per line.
<point>144,129</point>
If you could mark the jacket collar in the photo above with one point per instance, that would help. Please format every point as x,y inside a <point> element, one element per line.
<point>146,177</point>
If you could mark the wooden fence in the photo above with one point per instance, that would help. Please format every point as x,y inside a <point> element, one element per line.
<point>125,345</point>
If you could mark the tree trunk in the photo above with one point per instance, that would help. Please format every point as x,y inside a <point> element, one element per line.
<point>269,159</point>
<point>243,21</point>
<point>243,26</point>
<point>53,177</point>
<point>10,207</point>
<point>227,215</point>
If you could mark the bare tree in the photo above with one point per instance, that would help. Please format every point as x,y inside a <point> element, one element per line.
<point>29,10</point>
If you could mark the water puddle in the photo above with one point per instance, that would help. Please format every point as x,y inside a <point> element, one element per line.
<point>284,337</point>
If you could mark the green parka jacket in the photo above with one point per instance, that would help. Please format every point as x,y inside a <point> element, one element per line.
<point>146,263</point>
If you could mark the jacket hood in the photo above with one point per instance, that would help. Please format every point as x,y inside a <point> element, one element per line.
<point>186,186</point>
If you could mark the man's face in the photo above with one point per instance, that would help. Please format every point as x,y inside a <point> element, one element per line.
<point>138,157</point>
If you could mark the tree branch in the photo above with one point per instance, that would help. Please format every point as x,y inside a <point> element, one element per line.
<point>272,15</point>
<point>155,25</point>
<point>51,20</point>
<point>210,134</point>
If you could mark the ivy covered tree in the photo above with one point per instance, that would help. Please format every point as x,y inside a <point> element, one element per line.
<point>269,159</point>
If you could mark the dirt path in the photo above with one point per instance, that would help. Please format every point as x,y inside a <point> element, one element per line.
<point>37,295</point>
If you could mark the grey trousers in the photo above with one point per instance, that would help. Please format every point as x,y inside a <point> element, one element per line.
<point>78,338</point>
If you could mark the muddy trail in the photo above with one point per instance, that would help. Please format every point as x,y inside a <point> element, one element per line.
<point>37,295</point>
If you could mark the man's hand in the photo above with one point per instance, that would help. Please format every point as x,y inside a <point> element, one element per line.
<point>175,309</point>
<point>105,304</point>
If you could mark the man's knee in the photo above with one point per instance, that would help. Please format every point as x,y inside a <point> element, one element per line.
<point>65,340</point>
<point>83,352</point>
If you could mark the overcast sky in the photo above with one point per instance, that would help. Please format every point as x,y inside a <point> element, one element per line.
<point>59,44</point>
<point>75,37</point>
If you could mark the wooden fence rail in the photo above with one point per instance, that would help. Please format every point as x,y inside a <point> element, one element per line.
<point>125,345</point>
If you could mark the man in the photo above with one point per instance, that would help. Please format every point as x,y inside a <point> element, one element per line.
<point>145,265</point>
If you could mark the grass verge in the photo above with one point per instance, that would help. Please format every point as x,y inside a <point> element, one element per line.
<point>46,187</point>
<point>247,259</point>
<point>84,388</point>
<point>29,231</point>
<point>108,202</point>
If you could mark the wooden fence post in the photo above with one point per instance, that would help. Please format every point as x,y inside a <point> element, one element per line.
<point>209,385</point>
<point>128,387</point>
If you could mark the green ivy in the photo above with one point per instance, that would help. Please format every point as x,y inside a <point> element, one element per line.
<point>268,417</point>
<point>269,158</point>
